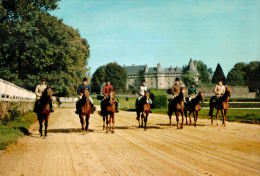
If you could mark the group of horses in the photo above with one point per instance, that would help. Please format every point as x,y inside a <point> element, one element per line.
<point>143,108</point>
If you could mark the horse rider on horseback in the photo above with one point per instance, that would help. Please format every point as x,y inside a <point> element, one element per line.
<point>80,90</point>
<point>107,88</point>
<point>219,91</point>
<point>176,88</point>
<point>141,92</point>
<point>192,91</point>
<point>38,91</point>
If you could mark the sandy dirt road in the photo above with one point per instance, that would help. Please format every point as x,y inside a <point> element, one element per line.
<point>161,150</point>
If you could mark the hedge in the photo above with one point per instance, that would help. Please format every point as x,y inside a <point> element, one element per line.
<point>159,98</point>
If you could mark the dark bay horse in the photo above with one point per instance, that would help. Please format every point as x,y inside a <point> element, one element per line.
<point>143,109</point>
<point>108,109</point>
<point>193,107</point>
<point>85,110</point>
<point>43,109</point>
<point>221,105</point>
<point>177,105</point>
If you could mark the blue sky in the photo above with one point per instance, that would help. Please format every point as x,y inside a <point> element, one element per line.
<point>166,31</point>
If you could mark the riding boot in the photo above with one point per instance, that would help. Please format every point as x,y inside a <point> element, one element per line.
<point>51,107</point>
<point>92,108</point>
<point>116,107</point>
<point>77,108</point>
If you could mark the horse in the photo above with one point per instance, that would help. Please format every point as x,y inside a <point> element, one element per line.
<point>177,105</point>
<point>221,105</point>
<point>43,109</point>
<point>143,109</point>
<point>85,110</point>
<point>108,109</point>
<point>193,107</point>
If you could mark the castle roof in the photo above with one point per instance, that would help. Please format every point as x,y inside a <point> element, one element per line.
<point>135,69</point>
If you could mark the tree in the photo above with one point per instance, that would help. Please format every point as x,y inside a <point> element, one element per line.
<point>34,43</point>
<point>204,72</point>
<point>218,75</point>
<point>114,72</point>
<point>188,78</point>
<point>253,72</point>
<point>238,75</point>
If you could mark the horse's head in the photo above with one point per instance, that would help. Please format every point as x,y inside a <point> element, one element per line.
<point>86,93</point>
<point>48,93</point>
<point>202,95</point>
<point>228,90</point>
<point>147,94</point>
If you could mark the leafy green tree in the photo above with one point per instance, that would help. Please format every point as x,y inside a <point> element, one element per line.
<point>218,75</point>
<point>253,72</point>
<point>34,43</point>
<point>238,75</point>
<point>204,72</point>
<point>188,78</point>
<point>114,72</point>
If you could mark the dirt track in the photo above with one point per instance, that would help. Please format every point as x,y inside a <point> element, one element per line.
<point>161,150</point>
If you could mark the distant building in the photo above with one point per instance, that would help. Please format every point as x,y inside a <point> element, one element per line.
<point>156,77</point>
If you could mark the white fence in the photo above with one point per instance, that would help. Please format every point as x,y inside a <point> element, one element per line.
<point>12,92</point>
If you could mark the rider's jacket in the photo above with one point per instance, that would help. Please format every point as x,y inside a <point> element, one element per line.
<point>219,90</point>
<point>107,89</point>
<point>192,91</point>
<point>39,90</point>
<point>142,90</point>
<point>176,89</point>
<point>82,87</point>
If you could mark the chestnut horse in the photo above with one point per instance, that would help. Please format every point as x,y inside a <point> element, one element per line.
<point>143,109</point>
<point>221,105</point>
<point>43,109</point>
<point>177,105</point>
<point>193,107</point>
<point>85,110</point>
<point>110,109</point>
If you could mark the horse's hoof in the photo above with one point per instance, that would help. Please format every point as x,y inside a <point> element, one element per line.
<point>103,127</point>
<point>112,131</point>
<point>181,127</point>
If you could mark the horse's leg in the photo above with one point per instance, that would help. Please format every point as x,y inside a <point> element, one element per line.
<point>194,117</point>
<point>211,116</point>
<point>197,115</point>
<point>223,116</point>
<point>107,123</point>
<point>145,120</point>
<point>87,122</point>
<point>170,118</point>
<point>110,120</point>
<point>104,119</point>
<point>113,121</point>
<point>46,125</point>
<point>138,118</point>
<point>40,123</point>
<point>182,119</point>
<point>190,117</point>
<point>177,118</point>
<point>185,113</point>
<point>217,116</point>
<point>142,116</point>
<point>81,121</point>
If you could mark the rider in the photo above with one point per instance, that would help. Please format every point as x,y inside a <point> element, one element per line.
<point>106,92</point>
<point>38,91</point>
<point>141,91</point>
<point>192,91</point>
<point>219,91</point>
<point>80,91</point>
<point>176,88</point>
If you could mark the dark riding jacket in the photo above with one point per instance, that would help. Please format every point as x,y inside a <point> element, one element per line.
<point>82,87</point>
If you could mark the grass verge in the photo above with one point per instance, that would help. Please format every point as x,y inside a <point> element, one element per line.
<point>10,132</point>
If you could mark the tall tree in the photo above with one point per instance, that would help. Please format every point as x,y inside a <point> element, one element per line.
<point>36,43</point>
<point>114,72</point>
<point>238,75</point>
<point>204,72</point>
<point>218,75</point>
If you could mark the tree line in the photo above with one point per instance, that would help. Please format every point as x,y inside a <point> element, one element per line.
<point>34,43</point>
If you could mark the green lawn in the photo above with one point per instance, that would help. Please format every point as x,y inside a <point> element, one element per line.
<point>239,115</point>
<point>10,132</point>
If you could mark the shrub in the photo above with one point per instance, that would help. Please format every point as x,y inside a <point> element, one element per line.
<point>159,98</point>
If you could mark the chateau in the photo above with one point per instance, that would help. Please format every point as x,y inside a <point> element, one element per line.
<point>156,77</point>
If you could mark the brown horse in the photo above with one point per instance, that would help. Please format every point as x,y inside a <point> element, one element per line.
<point>43,109</point>
<point>193,107</point>
<point>221,105</point>
<point>177,105</point>
<point>85,110</point>
<point>143,109</point>
<point>110,112</point>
